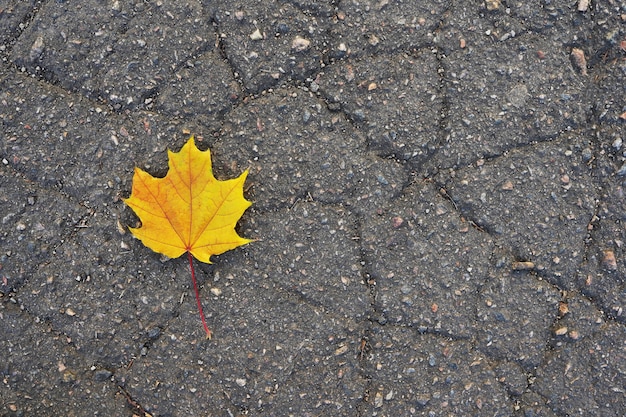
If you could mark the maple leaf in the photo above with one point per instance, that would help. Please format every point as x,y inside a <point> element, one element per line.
<point>188,210</point>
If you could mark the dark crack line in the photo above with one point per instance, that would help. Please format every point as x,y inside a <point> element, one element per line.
<point>132,403</point>
<point>21,27</point>
<point>73,227</point>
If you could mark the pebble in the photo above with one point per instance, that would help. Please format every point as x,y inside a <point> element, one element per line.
<point>282,28</point>
<point>397,221</point>
<point>256,35</point>
<point>378,400</point>
<point>574,335</point>
<point>507,186</point>
<point>36,49</point>
<point>560,331</point>
<point>523,266</point>
<point>609,261</point>
<point>492,4</point>
<point>102,375</point>
<point>579,61</point>
<point>300,44</point>
<point>341,350</point>
<point>154,333</point>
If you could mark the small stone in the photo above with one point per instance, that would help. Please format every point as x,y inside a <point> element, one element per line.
<point>397,221</point>
<point>36,49</point>
<point>102,375</point>
<point>583,5</point>
<point>241,382</point>
<point>69,376</point>
<point>378,400</point>
<point>523,266</point>
<point>216,291</point>
<point>422,399</point>
<point>373,40</point>
<point>70,312</point>
<point>372,86</point>
<point>507,186</point>
<point>154,333</point>
<point>282,28</point>
<point>492,4</point>
<point>341,350</point>
<point>256,35</point>
<point>609,261</point>
<point>574,335</point>
<point>560,331</point>
<point>578,60</point>
<point>300,44</point>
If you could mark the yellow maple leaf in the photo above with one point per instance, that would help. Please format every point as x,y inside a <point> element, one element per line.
<point>188,210</point>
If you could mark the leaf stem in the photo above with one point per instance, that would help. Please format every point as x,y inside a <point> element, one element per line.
<point>195,288</point>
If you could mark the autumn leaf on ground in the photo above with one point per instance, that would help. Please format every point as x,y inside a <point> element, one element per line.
<point>188,210</point>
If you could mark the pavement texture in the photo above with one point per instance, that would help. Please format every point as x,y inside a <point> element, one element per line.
<point>439,208</point>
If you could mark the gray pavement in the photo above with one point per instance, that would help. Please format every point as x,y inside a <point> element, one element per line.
<point>439,208</point>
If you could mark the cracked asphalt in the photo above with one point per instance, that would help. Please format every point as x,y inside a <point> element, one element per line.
<point>438,208</point>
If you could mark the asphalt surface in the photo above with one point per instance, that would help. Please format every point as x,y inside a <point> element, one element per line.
<point>439,208</point>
